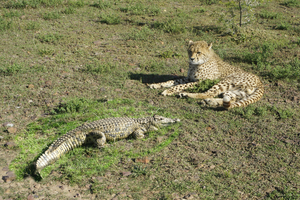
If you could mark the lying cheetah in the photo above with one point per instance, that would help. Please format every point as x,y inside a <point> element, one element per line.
<point>239,88</point>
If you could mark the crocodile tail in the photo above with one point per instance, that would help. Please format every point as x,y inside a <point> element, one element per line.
<point>254,97</point>
<point>59,147</point>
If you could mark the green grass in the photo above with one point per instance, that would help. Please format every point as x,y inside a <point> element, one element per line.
<point>10,69</point>
<point>51,15</point>
<point>32,26</point>
<point>83,110</point>
<point>291,3</point>
<point>5,24</point>
<point>49,38</point>
<point>140,9</point>
<point>269,15</point>
<point>110,19</point>
<point>20,4</point>
<point>203,86</point>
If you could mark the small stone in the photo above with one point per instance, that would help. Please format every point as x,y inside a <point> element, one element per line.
<point>8,124</point>
<point>48,83</point>
<point>1,137</point>
<point>159,139</point>
<point>102,89</point>
<point>144,160</point>
<point>137,69</point>
<point>37,186</point>
<point>10,144</point>
<point>181,70</point>
<point>12,130</point>
<point>212,166</point>
<point>208,128</point>
<point>126,173</point>
<point>30,86</point>
<point>98,42</point>
<point>30,197</point>
<point>10,176</point>
<point>295,98</point>
<point>5,169</point>
<point>110,187</point>
<point>61,187</point>
<point>30,101</point>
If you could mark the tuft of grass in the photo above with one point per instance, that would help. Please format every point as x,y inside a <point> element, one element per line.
<point>12,13</point>
<point>99,68</point>
<point>20,4</point>
<point>69,10</point>
<point>288,72</point>
<point>76,3</point>
<point>261,55</point>
<point>170,26</point>
<point>252,112</point>
<point>203,86</point>
<point>169,54</point>
<point>138,171</point>
<point>291,3</point>
<point>110,19</point>
<point>4,24</point>
<point>269,15</point>
<point>71,106</point>
<point>51,15</point>
<point>49,38</point>
<point>46,51</point>
<point>140,9</point>
<point>32,25</point>
<point>283,26</point>
<point>145,33</point>
<point>102,4</point>
<point>199,10</point>
<point>10,70</point>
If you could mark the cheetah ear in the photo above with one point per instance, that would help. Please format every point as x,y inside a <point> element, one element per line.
<point>209,46</point>
<point>190,42</point>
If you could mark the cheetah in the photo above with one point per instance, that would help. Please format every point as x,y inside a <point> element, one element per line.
<point>239,88</point>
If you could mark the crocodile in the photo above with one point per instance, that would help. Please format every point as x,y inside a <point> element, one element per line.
<point>99,132</point>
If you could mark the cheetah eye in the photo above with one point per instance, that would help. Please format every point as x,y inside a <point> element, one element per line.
<point>198,52</point>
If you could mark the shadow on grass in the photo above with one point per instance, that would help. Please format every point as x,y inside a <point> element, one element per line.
<point>153,78</point>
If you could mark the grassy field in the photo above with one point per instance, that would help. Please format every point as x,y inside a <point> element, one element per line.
<point>66,62</point>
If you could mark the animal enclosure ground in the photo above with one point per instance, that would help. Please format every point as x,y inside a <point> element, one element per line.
<point>66,62</point>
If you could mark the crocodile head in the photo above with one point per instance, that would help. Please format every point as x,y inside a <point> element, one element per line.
<point>156,121</point>
<point>163,121</point>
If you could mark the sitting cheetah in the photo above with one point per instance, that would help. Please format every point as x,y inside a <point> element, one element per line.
<point>239,88</point>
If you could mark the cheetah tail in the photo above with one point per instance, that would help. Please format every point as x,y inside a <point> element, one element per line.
<point>255,96</point>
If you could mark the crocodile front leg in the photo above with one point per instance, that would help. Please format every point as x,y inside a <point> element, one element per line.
<point>139,133</point>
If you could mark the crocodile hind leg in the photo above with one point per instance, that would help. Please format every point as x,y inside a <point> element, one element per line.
<point>100,141</point>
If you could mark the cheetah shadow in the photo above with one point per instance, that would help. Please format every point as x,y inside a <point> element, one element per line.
<point>153,78</point>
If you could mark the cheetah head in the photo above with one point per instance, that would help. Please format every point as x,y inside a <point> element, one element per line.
<point>199,52</point>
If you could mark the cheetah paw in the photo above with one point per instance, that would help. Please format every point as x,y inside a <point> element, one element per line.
<point>166,93</point>
<point>181,95</point>
<point>154,86</point>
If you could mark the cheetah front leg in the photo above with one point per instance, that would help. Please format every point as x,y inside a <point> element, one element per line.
<point>168,83</point>
<point>178,88</point>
